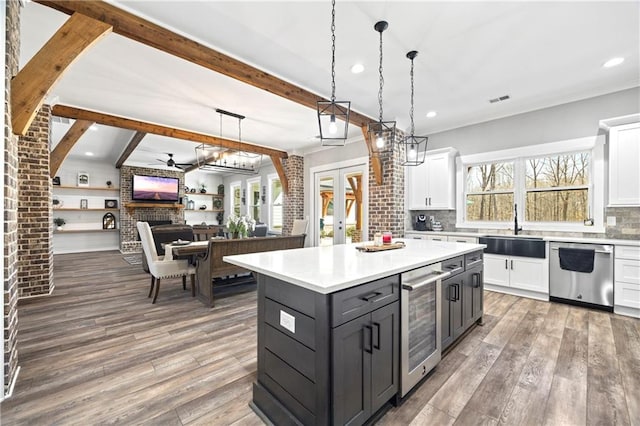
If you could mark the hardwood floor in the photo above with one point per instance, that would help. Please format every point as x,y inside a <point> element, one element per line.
<point>97,351</point>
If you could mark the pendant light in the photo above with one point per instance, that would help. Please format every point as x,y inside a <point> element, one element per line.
<point>415,146</point>
<point>333,132</point>
<point>381,133</point>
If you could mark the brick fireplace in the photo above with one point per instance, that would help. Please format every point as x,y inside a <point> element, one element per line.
<point>129,242</point>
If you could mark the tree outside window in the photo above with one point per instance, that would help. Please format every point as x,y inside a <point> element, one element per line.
<point>235,198</point>
<point>253,199</point>
<point>490,192</point>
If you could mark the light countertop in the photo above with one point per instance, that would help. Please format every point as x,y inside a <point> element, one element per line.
<point>589,240</point>
<point>333,268</point>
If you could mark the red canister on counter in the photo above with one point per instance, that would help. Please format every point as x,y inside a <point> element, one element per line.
<point>386,238</point>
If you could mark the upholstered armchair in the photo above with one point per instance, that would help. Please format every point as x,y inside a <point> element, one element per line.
<point>161,268</point>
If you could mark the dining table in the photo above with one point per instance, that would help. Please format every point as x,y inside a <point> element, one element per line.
<point>181,250</point>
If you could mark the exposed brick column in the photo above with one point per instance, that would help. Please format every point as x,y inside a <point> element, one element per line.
<point>386,201</point>
<point>293,207</point>
<point>35,227</point>
<point>12,54</point>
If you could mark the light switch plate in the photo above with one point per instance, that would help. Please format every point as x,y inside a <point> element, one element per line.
<point>611,221</point>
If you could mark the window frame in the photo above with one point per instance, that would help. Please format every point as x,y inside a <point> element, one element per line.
<point>232,186</point>
<point>249,197</point>
<point>270,205</point>
<point>597,184</point>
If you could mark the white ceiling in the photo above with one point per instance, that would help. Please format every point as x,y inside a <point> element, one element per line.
<point>539,53</point>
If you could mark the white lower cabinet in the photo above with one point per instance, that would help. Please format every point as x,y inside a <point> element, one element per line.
<point>523,276</point>
<point>626,292</point>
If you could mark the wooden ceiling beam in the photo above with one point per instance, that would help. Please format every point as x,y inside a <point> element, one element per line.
<point>146,32</point>
<point>131,146</point>
<point>158,129</point>
<point>281,174</point>
<point>67,142</point>
<point>33,82</point>
<point>376,165</point>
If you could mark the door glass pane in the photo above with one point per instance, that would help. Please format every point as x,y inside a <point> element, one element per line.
<point>353,207</point>
<point>326,213</point>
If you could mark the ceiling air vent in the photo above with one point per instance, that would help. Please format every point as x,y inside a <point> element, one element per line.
<point>62,120</point>
<point>499,99</point>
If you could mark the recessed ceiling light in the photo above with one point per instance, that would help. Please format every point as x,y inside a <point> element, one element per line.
<point>357,68</point>
<point>89,154</point>
<point>431,114</point>
<point>93,127</point>
<point>613,62</point>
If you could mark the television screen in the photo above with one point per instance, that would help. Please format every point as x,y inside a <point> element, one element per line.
<point>155,188</point>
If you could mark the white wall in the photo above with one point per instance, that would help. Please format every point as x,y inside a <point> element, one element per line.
<point>563,122</point>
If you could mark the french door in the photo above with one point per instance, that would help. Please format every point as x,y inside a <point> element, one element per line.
<point>340,205</point>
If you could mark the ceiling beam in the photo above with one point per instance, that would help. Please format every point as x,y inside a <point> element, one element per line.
<point>158,129</point>
<point>146,32</point>
<point>33,82</point>
<point>376,165</point>
<point>131,146</point>
<point>281,174</point>
<point>67,142</point>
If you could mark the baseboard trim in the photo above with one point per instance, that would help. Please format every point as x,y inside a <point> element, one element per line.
<point>516,292</point>
<point>628,312</point>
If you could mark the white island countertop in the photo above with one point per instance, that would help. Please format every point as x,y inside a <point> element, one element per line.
<point>333,268</point>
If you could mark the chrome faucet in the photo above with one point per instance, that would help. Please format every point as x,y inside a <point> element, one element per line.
<point>515,220</point>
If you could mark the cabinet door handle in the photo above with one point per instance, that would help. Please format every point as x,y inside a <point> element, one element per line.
<point>370,296</point>
<point>506,264</point>
<point>512,264</point>
<point>377,345</point>
<point>429,200</point>
<point>457,292</point>
<point>477,277</point>
<point>426,201</point>
<point>370,333</point>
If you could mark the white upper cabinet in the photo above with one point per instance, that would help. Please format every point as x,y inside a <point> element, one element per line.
<point>431,185</point>
<point>624,173</point>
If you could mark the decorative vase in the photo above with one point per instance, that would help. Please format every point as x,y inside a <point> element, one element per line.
<point>203,191</point>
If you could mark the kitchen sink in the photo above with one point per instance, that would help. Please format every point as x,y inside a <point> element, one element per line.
<point>514,245</point>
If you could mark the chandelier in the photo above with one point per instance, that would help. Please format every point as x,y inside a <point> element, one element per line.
<point>225,159</point>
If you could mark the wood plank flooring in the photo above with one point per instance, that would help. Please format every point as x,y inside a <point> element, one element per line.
<point>98,352</point>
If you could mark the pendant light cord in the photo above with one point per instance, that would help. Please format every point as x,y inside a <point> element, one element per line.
<point>333,51</point>
<point>381,79</point>
<point>411,109</point>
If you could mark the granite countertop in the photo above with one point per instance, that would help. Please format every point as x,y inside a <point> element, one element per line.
<point>588,240</point>
<point>332,268</point>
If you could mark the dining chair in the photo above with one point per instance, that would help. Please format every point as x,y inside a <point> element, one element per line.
<point>299,226</point>
<point>161,268</point>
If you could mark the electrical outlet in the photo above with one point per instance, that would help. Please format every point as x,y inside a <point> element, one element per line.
<point>611,221</point>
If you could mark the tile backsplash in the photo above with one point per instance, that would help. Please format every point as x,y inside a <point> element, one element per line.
<point>627,224</point>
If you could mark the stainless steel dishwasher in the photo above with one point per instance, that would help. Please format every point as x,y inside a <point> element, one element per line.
<point>581,274</point>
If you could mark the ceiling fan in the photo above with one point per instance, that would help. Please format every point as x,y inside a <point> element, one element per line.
<point>172,163</point>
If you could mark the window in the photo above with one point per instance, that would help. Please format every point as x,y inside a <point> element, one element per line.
<point>490,192</point>
<point>275,204</point>
<point>235,198</point>
<point>556,186</point>
<point>253,199</point>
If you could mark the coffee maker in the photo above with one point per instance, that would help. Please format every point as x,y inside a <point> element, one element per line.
<point>421,223</point>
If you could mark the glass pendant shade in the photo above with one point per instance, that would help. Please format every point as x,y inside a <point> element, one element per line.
<point>382,135</point>
<point>415,150</point>
<point>333,119</point>
<point>219,159</point>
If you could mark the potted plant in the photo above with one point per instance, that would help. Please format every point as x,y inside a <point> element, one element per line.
<point>59,222</point>
<point>240,225</point>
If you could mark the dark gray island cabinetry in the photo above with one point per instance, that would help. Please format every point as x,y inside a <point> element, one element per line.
<point>329,329</point>
<point>317,350</point>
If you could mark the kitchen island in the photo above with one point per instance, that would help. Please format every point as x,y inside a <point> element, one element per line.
<point>329,327</point>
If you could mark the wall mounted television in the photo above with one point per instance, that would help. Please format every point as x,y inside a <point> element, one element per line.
<point>155,188</point>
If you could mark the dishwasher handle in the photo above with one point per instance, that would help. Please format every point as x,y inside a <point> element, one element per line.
<point>597,251</point>
<point>433,276</point>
